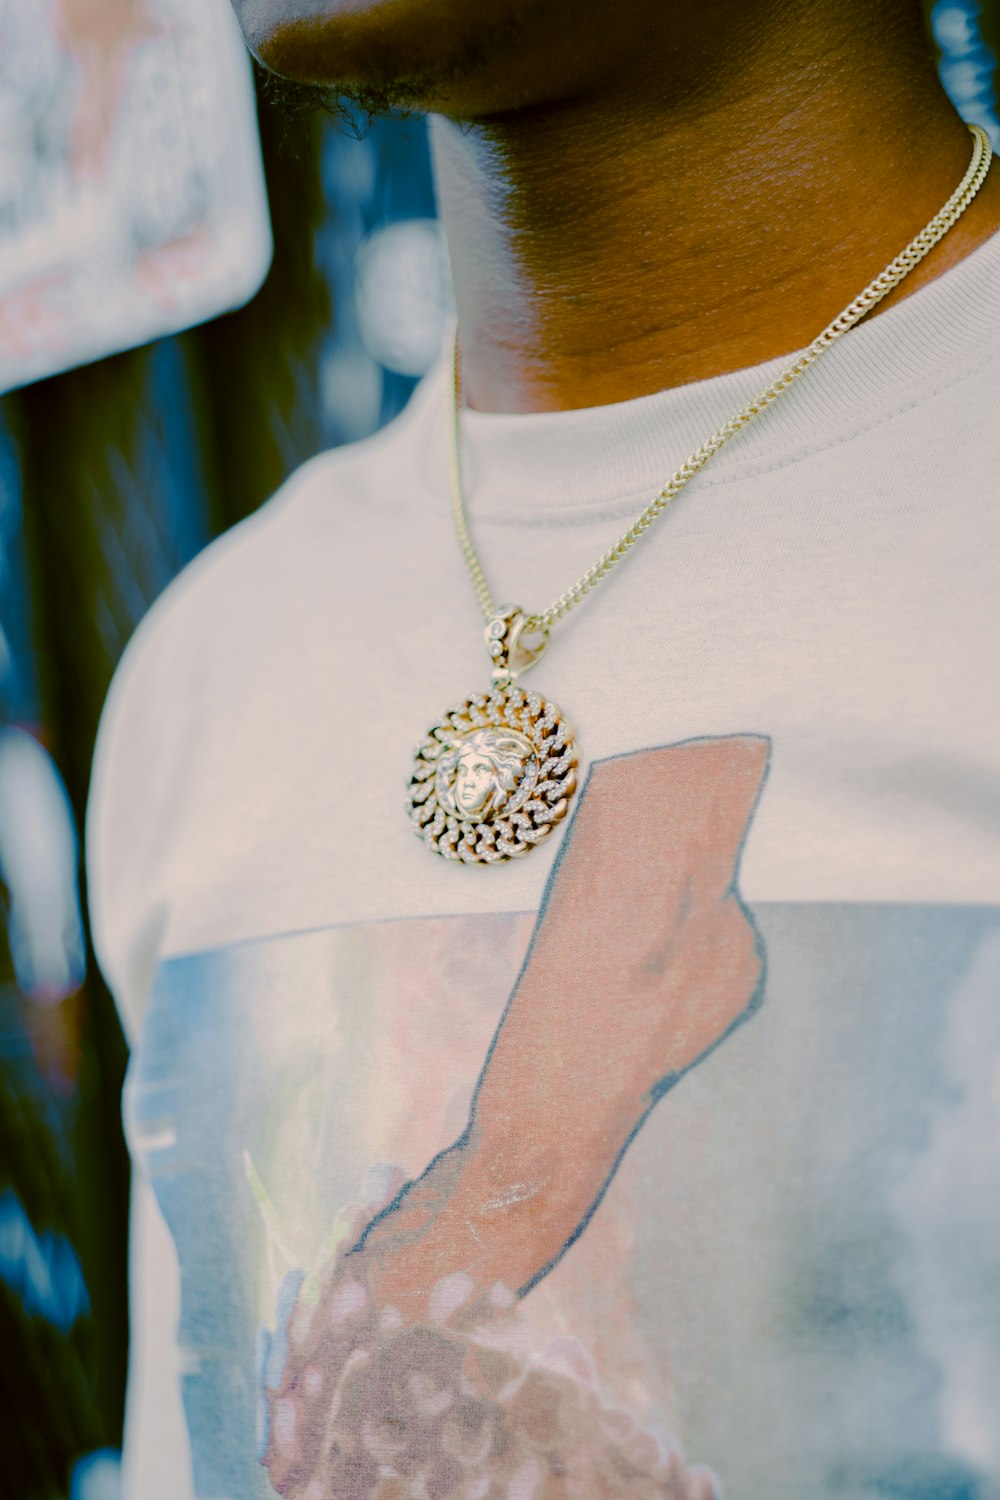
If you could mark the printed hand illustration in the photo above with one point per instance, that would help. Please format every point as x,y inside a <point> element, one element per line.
<point>359,1406</point>
<point>643,959</point>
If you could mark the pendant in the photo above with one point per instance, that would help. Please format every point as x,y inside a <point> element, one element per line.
<point>496,773</point>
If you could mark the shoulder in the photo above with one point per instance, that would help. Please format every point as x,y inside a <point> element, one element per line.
<point>321,506</point>
<point>206,620</point>
<point>223,630</point>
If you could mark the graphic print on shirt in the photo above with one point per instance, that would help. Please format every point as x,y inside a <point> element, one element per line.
<point>400,1361</point>
<point>787,1266</point>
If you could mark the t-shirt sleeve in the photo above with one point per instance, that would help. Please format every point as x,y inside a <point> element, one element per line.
<point>126,825</point>
<point>135,775</point>
<point>155,731</point>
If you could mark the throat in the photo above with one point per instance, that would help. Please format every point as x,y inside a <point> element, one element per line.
<point>629,240</point>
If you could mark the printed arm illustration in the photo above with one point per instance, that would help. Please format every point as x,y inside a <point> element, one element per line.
<point>397,1373</point>
<point>642,961</point>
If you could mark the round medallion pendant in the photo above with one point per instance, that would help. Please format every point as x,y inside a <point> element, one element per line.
<point>493,777</point>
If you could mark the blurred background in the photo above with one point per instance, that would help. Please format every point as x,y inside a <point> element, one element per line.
<point>199,289</point>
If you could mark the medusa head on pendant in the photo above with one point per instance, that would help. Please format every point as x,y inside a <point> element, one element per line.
<point>477,773</point>
<point>493,777</point>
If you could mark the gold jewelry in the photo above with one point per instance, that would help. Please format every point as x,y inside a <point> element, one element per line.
<point>494,776</point>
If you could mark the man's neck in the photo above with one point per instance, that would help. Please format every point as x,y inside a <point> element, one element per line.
<point>626,240</point>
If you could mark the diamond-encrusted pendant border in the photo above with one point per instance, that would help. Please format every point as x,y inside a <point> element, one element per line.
<point>493,777</point>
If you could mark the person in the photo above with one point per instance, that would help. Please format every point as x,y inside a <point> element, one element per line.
<point>658,1160</point>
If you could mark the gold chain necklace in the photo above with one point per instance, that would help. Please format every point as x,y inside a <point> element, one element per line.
<point>493,776</point>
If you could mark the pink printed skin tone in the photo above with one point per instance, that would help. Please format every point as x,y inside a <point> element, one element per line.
<point>642,960</point>
<point>405,1360</point>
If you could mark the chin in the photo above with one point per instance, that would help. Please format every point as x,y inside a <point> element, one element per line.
<point>332,42</point>
<point>447,55</point>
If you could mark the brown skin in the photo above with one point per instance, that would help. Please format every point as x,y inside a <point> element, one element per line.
<point>645,194</point>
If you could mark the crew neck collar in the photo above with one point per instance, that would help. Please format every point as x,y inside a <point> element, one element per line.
<point>553,467</point>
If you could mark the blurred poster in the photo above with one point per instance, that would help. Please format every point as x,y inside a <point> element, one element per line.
<point>132,200</point>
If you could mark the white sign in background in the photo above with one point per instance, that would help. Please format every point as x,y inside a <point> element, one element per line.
<point>132,198</point>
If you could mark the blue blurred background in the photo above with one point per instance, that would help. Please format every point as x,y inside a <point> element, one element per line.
<point>112,476</point>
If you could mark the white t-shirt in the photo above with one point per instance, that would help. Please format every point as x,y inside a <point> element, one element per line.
<point>709,1079</point>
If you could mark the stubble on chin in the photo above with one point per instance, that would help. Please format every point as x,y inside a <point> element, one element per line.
<point>389,76</point>
<point>354,105</point>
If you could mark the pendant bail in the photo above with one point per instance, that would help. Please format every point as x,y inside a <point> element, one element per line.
<point>508,651</point>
